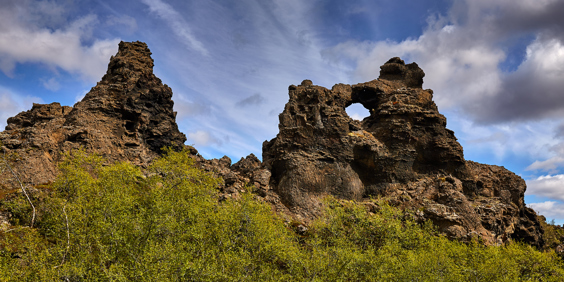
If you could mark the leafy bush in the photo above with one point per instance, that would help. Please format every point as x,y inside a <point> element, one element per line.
<point>118,223</point>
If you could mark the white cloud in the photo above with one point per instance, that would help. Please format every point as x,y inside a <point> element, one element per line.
<point>461,54</point>
<point>25,41</point>
<point>549,165</point>
<point>527,140</point>
<point>550,186</point>
<point>177,23</point>
<point>124,21</point>
<point>458,69</point>
<point>532,92</point>
<point>51,84</point>
<point>203,138</point>
<point>187,108</point>
<point>550,209</point>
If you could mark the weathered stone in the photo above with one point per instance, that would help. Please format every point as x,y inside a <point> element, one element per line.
<point>247,174</point>
<point>402,151</point>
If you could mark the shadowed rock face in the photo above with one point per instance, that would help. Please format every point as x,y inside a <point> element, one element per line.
<point>127,116</point>
<point>402,151</point>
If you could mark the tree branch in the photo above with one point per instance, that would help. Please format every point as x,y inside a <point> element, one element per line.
<point>68,236</point>
<point>22,187</point>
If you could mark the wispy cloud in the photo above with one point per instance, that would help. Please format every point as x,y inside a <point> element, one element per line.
<point>259,48</point>
<point>177,23</point>
<point>549,165</point>
<point>188,108</point>
<point>203,138</point>
<point>255,99</point>
<point>51,84</point>
<point>126,21</point>
<point>25,41</point>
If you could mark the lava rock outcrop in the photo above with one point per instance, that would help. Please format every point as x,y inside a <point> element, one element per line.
<point>402,151</point>
<point>127,116</point>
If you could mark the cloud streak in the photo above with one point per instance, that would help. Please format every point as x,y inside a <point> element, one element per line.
<point>177,23</point>
<point>203,138</point>
<point>259,48</point>
<point>252,100</point>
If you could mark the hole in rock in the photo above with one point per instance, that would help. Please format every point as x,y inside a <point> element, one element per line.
<point>357,111</point>
<point>129,125</point>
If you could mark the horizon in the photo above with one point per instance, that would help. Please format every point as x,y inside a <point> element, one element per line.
<point>495,67</point>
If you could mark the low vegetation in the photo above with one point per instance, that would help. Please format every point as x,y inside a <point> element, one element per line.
<point>119,223</point>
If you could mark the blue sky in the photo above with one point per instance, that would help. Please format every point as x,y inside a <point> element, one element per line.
<point>496,66</point>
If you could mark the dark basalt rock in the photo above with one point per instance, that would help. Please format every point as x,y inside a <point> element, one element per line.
<point>127,116</point>
<point>402,151</point>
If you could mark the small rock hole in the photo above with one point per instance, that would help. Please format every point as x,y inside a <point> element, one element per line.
<point>129,125</point>
<point>357,111</point>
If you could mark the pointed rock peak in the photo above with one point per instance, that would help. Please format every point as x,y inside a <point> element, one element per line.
<point>132,59</point>
<point>395,69</point>
<point>128,116</point>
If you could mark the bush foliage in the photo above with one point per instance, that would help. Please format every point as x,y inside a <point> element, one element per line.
<point>119,223</point>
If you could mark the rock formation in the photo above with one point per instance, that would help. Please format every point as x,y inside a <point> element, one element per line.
<point>402,151</point>
<point>127,116</point>
<point>249,173</point>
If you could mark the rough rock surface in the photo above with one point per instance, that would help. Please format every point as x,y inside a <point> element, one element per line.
<point>402,151</point>
<point>249,173</point>
<point>127,116</point>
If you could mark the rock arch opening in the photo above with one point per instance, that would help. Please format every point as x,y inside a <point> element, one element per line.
<point>357,111</point>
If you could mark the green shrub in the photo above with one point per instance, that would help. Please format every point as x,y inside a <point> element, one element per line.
<point>118,223</point>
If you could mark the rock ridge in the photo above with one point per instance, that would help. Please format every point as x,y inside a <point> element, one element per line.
<point>402,152</point>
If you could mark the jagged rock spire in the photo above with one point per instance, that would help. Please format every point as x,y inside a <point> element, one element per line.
<point>127,116</point>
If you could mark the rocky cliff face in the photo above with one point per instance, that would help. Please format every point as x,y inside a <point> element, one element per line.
<point>402,151</point>
<point>127,116</point>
